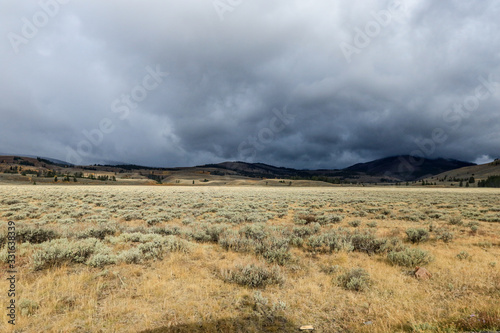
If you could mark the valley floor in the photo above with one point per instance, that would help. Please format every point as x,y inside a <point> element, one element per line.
<point>250,259</point>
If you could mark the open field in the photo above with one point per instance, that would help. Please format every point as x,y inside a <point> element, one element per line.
<point>251,259</point>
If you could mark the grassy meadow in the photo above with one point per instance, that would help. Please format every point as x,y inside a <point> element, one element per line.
<point>251,259</point>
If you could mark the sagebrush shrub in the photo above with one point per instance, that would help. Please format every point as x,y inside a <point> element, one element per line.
<point>153,221</point>
<point>445,236</point>
<point>137,237</point>
<point>277,256</point>
<point>60,251</point>
<point>261,307</point>
<point>35,235</point>
<point>102,259</point>
<point>409,257</point>
<point>233,241</point>
<point>215,231</point>
<point>367,242</point>
<point>131,256</point>
<point>275,250</point>
<point>208,233</point>
<point>393,244</point>
<point>355,223</point>
<point>254,231</point>
<point>330,242</point>
<point>152,250</point>
<point>304,231</point>
<point>305,217</point>
<point>357,279</point>
<point>330,269</point>
<point>99,233</point>
<point>166,231</point>
<point>417,235</point>
<point>188,220</point>
<point>254,276</point>
<point>330,219</point>
<point>463,255</point>
<point>455,220</point>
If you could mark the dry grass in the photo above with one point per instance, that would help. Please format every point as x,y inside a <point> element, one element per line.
<point>182,290</point>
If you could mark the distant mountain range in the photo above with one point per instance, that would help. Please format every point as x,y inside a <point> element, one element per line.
<point>389,169</point>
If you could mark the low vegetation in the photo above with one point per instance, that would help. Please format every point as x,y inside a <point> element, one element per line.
<point>236,259</point>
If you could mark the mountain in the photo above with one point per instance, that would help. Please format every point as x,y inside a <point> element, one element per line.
<point>408,168</point>
<point>389,170</point>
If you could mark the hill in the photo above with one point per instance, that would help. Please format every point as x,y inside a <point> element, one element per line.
<point>403,168</point>
<point>387,170</point>
<point>477,172</point>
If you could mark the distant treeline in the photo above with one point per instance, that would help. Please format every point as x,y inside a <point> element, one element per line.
<point>129,167</point>
<point>491,181</point>
<point>157,178</point>
<point>260,170</point>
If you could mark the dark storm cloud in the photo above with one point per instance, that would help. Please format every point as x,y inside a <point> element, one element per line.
<point>86,81</point>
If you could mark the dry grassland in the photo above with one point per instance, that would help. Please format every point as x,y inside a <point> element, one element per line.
<point>255,259</point>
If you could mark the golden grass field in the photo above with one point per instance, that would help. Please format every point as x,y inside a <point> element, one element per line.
<point>251,259</point>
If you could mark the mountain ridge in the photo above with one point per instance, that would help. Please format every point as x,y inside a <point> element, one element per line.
<point>399,168</point>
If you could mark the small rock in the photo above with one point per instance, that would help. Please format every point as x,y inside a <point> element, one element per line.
<point>307,328</point>
<point>422,273</point>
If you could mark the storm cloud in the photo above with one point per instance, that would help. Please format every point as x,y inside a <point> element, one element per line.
<point>296,83</point>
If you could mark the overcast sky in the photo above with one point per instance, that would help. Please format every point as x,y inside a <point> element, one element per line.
<point>296,83</point>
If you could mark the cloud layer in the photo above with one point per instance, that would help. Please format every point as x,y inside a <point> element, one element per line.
<point>298,83</point>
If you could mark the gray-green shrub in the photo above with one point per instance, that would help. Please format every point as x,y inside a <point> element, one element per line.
<point>35,235</point>
<point>409,257</point>
<point>99,232</point>
<point>355,223</point>
<point>357,279</point>
<point>417,235</point>
<point>330,219</point>
<point>274,250</point>
<point>367,242</point>
<point>60,251</point>
<point>445,235</point>
<point>100,260</point>
<point>455,220</point>
<point>231,240</point>
<point>254,276</point>
<point>254,231</point>
<point>304,231</point>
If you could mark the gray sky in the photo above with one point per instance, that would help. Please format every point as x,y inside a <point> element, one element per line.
<point>297,83</point>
